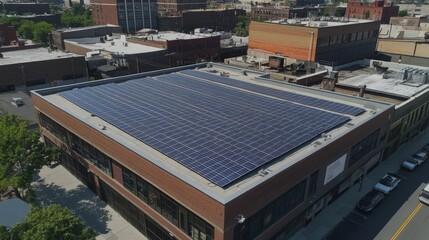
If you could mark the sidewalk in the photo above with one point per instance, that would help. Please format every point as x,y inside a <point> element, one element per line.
<point>333,214</point>
<point>58,186</point>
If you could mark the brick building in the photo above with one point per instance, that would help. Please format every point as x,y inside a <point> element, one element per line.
<point>130,15</point>
<point>7,35</point>
<point>377,10</point>
<point>183,49</point>
<point>39,67</point>
<point>216,19</point>
<point>176,7</point>
<point>327,42</point>
<point>188,154</point>
<point>270,12</point>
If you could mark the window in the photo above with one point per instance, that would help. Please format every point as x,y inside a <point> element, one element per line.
<point>313,183</point>
<point>264,218</point>
<point>362,148</point>
<point>81,147</point>
<point>193,225</point>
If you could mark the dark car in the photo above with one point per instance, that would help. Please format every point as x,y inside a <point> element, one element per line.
<point>370,201</point>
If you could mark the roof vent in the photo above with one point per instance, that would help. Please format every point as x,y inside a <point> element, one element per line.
<point>262,172</point>
<point>102,127</point>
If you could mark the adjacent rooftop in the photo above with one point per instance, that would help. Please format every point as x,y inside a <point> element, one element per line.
<point>32,55</point>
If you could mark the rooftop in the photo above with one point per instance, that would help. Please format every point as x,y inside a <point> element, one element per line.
<point>32,55</point>
<point>85,28</point>
<point>13,211</point>
<point>321,22</point>
<point>170,36</point>
<point>393,79</point>
<point>216,127</point>
<point>113,45</point>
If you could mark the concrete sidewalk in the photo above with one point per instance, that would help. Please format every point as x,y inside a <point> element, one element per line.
<point>333,214</point>
<point>58,186</point>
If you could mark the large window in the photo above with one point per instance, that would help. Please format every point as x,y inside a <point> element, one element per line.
<point>184,219</point>
<point>362,148</point>
<point>270,214</point>
<point>81,147</point>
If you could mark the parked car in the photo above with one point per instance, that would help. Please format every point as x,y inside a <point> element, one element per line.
<point>410,164</point>
<point>370,201</point>
<point>426,148</point>
<point>17,102</point>
<point>420,157</point>
<point>387,183</point>
<point>424,195</point>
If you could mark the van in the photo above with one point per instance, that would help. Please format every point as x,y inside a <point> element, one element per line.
<point>17,102</point>
<point>424,195</point>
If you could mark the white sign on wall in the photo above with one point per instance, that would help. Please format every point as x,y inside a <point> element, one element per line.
<point>334,169</point>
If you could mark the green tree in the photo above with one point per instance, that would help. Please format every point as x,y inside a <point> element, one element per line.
<point>21,155</point>
<point>41,30</point>
<point>366,14</point>
<point>403,13</point>
<point>242,28</point>
<point>11,21</point>
<point>26,29</point>
<point>77,16</point>
<point>52,222</point>
<point>340,12</point>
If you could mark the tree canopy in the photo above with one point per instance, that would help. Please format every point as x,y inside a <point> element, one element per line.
<point>77,16</point>
<point>21,154</point>
<point>52,222</point>
<point>403,13</point>
<point>242,28</point>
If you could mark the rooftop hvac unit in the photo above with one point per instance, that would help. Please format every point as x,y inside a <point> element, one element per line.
<point>112,43</point>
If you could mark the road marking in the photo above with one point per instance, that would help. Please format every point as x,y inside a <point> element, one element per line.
<point>407,221</point>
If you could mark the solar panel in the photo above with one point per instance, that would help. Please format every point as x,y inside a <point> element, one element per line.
<point>293,97</point>
<point>219,132</point>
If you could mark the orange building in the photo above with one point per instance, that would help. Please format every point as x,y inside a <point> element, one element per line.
<point>327,42</point>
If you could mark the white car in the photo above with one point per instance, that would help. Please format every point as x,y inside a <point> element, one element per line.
<point>424,195</point>
<point>387,183</point>
<point>410,164</point>
<point>17,102</point>
<point>420,157</point>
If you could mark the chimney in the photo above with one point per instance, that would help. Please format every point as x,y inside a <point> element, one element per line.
<point>362,90</point>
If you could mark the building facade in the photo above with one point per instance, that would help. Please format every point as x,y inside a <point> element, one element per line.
<point>270,12</point>
<point>36,68</point>
<point>183,49</point>
<point>164,197</point>
<point>131,15</point>
<point>377,10</point>
<point>176,7</point>
<point>7,35</point>
<point>25,8</point>
<point>327,42</point>
<point>59,35</point>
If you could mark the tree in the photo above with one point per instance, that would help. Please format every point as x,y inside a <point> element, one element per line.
<point>21,155</point>
<point>242,28</point>
<point>41,30</point>
<point>77,16</point>
<point>52,222</point>
<point>26,29</point>
<point>340,12</point>
<point>403,13</point>
<point>366,14</point>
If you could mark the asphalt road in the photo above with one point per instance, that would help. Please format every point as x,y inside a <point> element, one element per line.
<point>399,217</point>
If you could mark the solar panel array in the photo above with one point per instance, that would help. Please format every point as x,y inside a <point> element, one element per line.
<point>219,132</point>
<point>289,96</point>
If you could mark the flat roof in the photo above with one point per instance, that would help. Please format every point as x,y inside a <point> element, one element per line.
<point>393,81</point>
<point>321,22</point>
<point>189,122</point>
<point>113,45</point>
<point>170,36</point>
<point>32,55</point>
<point>85,28</point>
